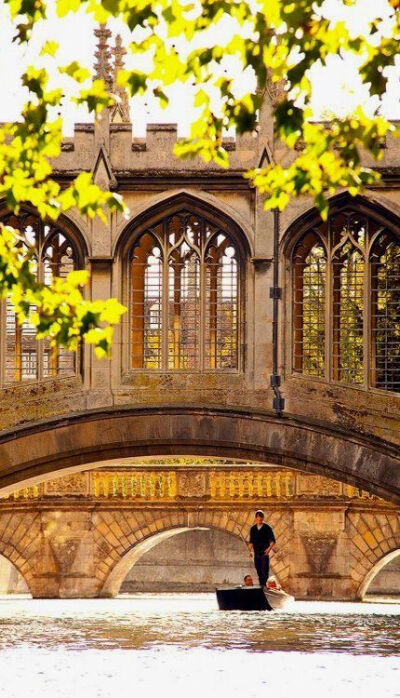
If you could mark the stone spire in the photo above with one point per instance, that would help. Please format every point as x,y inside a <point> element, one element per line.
<point>120,111</point>
<point>103,56</point>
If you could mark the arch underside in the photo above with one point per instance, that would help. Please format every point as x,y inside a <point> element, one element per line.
<point>114,580</point>
<point>374,571</point>
<point>39,449</point>
<point>112,585</point>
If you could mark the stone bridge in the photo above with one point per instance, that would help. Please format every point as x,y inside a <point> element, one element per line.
<point>80,534</point>
<point>37,449</point>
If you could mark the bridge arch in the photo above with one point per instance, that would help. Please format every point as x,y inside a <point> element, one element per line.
<point>37,450</point>
<point>13,555</point>
<point>374,571</point>
<point>12,581</point>
<point>121,559</point>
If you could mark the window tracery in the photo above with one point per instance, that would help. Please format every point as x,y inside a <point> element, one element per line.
<point>184,296</point>
<point>385,312</point>
<point>309,305</point>
<point>346,302</point>
<point>54,255</point>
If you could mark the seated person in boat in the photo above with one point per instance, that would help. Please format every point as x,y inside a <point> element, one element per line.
<point>262,541</point>
<point>248,580</point>
<point>272,583</point>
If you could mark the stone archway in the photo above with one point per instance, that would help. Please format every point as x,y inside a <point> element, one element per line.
<point>195,561</point>
<point>374,540</point>
<point>20,536</point>
<point>31,452</point>
<point>369,578</point>
<point>121,540</point>
<point>11,579</point>
<point>113,582</point>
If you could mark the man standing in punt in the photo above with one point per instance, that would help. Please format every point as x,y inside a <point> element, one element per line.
<point>262,541</point>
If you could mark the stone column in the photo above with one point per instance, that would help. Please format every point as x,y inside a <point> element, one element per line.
<point>100,379</point>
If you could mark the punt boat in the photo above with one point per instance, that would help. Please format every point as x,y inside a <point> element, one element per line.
<point>254,598</point>
<point>242,599</point>
<point>277,598</point>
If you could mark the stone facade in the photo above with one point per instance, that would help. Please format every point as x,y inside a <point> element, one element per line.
<point>151,181</point>
<point>80,535</point>
<point>71,545</point>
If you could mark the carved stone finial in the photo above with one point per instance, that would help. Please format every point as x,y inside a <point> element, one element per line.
<point>103,56</point>
<point>120,111</point>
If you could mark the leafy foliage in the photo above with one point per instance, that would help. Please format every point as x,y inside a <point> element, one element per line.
<point>204,43</point>
<point>61,311</point>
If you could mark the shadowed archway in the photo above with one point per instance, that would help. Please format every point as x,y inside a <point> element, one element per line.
<point>12,580</point>
<point>373,573</point>
<point>113,582</point>
<point>131,557</point>
<point>38,449</point>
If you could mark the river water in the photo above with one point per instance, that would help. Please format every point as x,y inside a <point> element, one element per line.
<point>182,646</point>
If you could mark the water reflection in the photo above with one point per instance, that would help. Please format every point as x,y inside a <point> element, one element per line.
<point>149,621</point>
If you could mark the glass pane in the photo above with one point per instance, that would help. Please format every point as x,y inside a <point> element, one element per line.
<point>146,338</point>
<point>54,257</point>
<point>21,349</point>
<point>58,260</point>
<point>221,318</point>
<point>189,319</point>
<point>348,308</point>
<point>184,308</point>
<point>21,346</point>
<point>385,313</point>
<point>309,307</point>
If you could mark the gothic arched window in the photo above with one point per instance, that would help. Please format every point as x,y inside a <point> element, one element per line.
<point>184,296</point>
<point>346,301</point>
<point>309,292</point>
<point>385,312</point>
<point>348,263</point>
<point>54,255</point>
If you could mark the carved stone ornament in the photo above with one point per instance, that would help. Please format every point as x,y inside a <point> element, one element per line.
<point>192,484</point>
<point>103,56</point>
<point>70,484</point>
<point>319,552</point>
<point>318,485</point>
<point>120,111</point>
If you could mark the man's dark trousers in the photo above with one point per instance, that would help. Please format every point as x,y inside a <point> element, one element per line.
<point>261,563</point>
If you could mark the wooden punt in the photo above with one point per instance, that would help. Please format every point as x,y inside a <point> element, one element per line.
<point>242,599</point>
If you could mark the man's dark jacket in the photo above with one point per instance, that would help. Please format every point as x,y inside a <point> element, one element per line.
<point>261,538</point>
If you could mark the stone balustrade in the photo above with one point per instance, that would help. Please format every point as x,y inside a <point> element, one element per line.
<point>168,485</point>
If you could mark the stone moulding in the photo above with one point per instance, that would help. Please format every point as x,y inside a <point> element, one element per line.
<point>37,449</point>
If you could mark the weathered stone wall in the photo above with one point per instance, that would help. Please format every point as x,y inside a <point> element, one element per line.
<point>74,547</point>
<point>150,178</point>
<point>80,536</point>
<point>191,561</point>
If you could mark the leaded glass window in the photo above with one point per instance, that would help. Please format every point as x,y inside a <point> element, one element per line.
<point>185,296</point>
<point>346,301</point>
<point>385,312</point>
<point>309,295</point>
<point>54,255</point>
